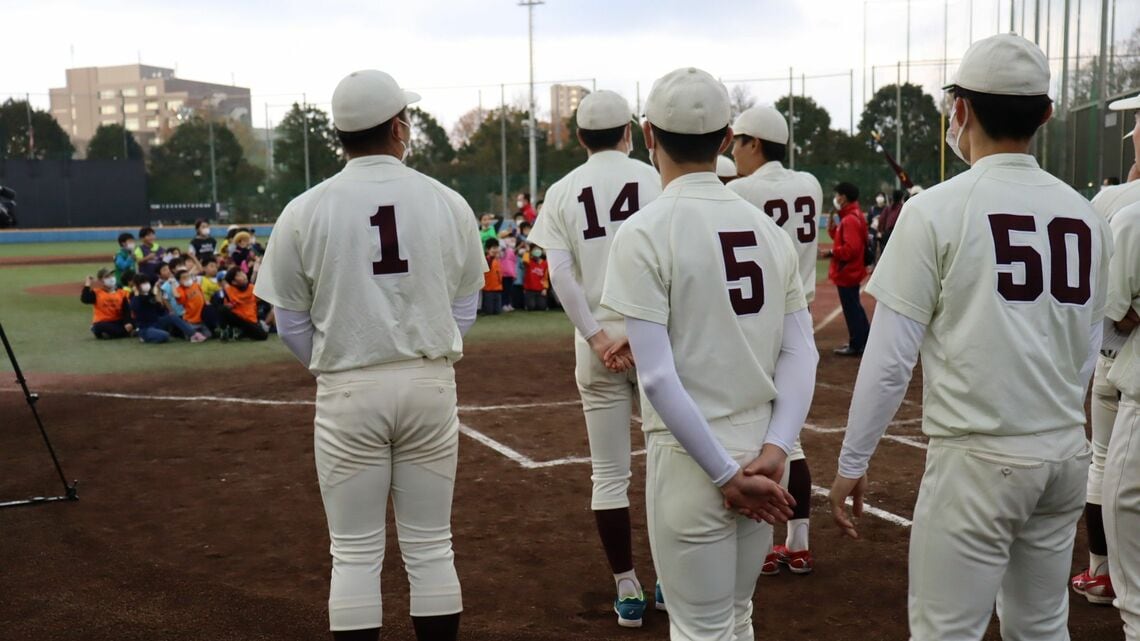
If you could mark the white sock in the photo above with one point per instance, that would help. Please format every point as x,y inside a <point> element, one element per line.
<point>797,540</point>
<point>1098,564</point>
<point>628,585</point>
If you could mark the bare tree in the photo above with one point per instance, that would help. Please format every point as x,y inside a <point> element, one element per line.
<point>466,126</point>
<point>741,98</point>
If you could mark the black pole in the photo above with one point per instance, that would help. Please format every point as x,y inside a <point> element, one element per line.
<point>70,492</point>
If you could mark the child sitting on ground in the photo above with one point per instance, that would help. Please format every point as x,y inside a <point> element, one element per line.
<point>111,316</point>
<point>240,309</point>
<point>154,322</point>
<point>189,295</point>
<point>492,293</point>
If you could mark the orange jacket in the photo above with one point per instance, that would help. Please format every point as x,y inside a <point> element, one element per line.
<point>192,301</point>
<point>493,277</point>
<point>109,306</point>
<point>244,303</point>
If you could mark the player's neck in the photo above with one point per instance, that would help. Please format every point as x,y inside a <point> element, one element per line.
<point>982,146</point>
<point>671,171</point>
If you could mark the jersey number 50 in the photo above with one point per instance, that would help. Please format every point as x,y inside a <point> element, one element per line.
<point>624,206</point>
<point>390,262</point>
<point>1059,231</point>
<point>738,270</point>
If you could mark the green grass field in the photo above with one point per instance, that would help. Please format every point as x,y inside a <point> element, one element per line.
<point>97,248</point>
<point>49,333</point>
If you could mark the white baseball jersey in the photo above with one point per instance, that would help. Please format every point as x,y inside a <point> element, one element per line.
<point>1123,291</point>
<point>792,199</point>
<point>375,254</point>
<point>1112,199</point>
<point>721,276</point>
<point>1007,267</point>
<point>583,211</point>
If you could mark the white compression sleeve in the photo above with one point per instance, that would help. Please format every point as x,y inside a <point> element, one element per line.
<point>658,375</point>
<point>463,310</point>
<point>570,293</point>
<point>795,381</point>
<point>888,362</point>
<point>296,331</point>
<point>1096,340</point>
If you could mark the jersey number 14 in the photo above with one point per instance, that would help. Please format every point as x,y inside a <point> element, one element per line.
<point>624,206</point>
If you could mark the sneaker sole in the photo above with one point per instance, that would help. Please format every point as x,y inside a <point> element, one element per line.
<point>799,570</point>
<point>660,607</point>
<point>628,623</point>
<point>1099,600</point>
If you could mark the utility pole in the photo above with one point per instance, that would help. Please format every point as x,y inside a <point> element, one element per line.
<point>1065,93</point>
<point>791,119</point>
<point>503,142</point>
<point>1037,24</point>
<point>31,129</point>
<point>851,103</point>
<point>305,137</point>
<point>898,118</point>
<point>863,71</point>
<point>1102,88</point>
<point>908,40</point>
<point>532,132</point>
<point>123,108</point>
<point>213,163</point>
<point>1011,14</point>
<point>268,143</point>
<point>945,36</point>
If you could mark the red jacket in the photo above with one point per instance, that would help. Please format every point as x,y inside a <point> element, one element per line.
<point>850,240</point>
<point>528,212</point>
<point>534,280</point>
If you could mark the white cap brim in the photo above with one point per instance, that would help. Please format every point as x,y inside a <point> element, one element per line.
<point>412,97</point>
<point>1125,103</point>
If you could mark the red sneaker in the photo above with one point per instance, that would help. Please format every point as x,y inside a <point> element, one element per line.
<point>798,562</point>
<point>1097,589</point>
<point>771,565</point>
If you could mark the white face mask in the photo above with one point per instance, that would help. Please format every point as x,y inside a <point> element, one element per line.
<point>145,288</point>
<point>880,201</point>
<point>407,143</point>
<point>187,283</point>
<point>205,231</point>
<point>952,139</point>
<point>130,247</point>
<point>519,203</point>
<point>835,201</point>
<point>109,282</point>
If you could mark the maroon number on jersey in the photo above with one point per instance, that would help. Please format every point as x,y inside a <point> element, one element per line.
<point>737,270</point>
<point>1059,230</point>
<point>625,205</point>
<point>390,262</point>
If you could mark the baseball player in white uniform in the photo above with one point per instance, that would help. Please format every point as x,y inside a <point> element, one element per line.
<point>719,328</point>
<point>792,199</point>
<point>725,169</point>
<point>580,216</point>
<point>1095,583</point>
<point>1121,490</point>
<point>999,275</point>
<point>375,275</point>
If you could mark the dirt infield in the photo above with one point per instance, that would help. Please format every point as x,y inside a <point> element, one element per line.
<point>76,259</point>
<point>201,519</point>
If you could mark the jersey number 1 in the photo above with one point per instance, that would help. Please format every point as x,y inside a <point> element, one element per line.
<point>737,270</point>
<point>625,206</point>
<point>390,261</point>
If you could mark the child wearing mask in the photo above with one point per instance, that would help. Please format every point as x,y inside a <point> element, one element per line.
<point>492,279</point>
<point>165,287</point>
<point>125,259</point>
<point>111,315</point>
<point>240,308</point>
<point>536,280</point>
<point>242,251</point>
<point>189,295</point>
<point>154,322</point>
<point>202,246</point>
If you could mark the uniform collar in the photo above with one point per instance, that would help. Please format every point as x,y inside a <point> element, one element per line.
<point>770,167</point>
<point>606,155</point>
<point>1007,160</point>
<point>376,160</point>
<point>698,179</point>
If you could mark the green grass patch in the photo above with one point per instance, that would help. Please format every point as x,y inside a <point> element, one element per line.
<point>87,248</point>
<point>50,334</point>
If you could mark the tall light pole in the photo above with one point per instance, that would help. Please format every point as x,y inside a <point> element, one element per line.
<point>305,137</point>
<point>503,144</point>
<point>532,132</point>
<point>908,40</point>
<point>863,72</point>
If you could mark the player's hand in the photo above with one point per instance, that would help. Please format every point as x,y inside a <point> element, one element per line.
<point>89,281</point>
<point>1128,323</point>
<point>770,463</point>
<point>758,498</point>
<point>841,489</point>
<point>619,357</point>
<point>1134,172</point>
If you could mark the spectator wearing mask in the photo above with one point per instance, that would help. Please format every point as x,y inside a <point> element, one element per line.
<point>125,259</point>
<point>155,323</point>
<point>189,295</point>
<point>487,228</point>
<point>240,308</point>
<point>110,317</point>
<point>509,264</point>
<point>167,281</point>
<point>525,208</point>
<point>148,254</point>
<point>242,251</point>
<point>536,280</point>
<point>847,270</point>
<point>492,279</point>
<point>202,246</point>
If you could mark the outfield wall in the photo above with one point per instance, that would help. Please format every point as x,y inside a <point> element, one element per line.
<point>111,234</point>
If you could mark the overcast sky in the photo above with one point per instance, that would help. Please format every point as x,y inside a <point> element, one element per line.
<point>281,48</point>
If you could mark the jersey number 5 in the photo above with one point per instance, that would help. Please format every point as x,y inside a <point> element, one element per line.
<point>390,261</point>
<point>737,270</point>
<point>1059,231</point>
<point>625,206</point>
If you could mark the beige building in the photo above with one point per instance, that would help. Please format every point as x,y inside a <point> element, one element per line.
<point>146,100</point>
<point>564,101</point>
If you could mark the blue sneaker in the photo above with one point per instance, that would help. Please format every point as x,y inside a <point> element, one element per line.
<point>659,599</point>
<point>630,611</point>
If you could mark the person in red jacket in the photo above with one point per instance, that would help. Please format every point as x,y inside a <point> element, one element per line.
<point>847,270</point>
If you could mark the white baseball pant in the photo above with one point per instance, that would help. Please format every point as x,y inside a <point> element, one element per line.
<point>607,402</point>
<point>995,521</point>
<point>708,558</point>
<point>1122,514</point>
<point>390,429</point>
<point>1103,406</point>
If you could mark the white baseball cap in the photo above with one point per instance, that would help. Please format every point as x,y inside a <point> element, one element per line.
<point>688,101</point>
<point>764,123</point>
<point>1005,65</point>
<point>603,110</point>
<point>725,168</point>
<point>1126,103</point>
<point>365,99</point>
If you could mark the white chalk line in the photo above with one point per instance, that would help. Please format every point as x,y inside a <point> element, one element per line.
<point>504,450</point>
<point>889,517</point>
